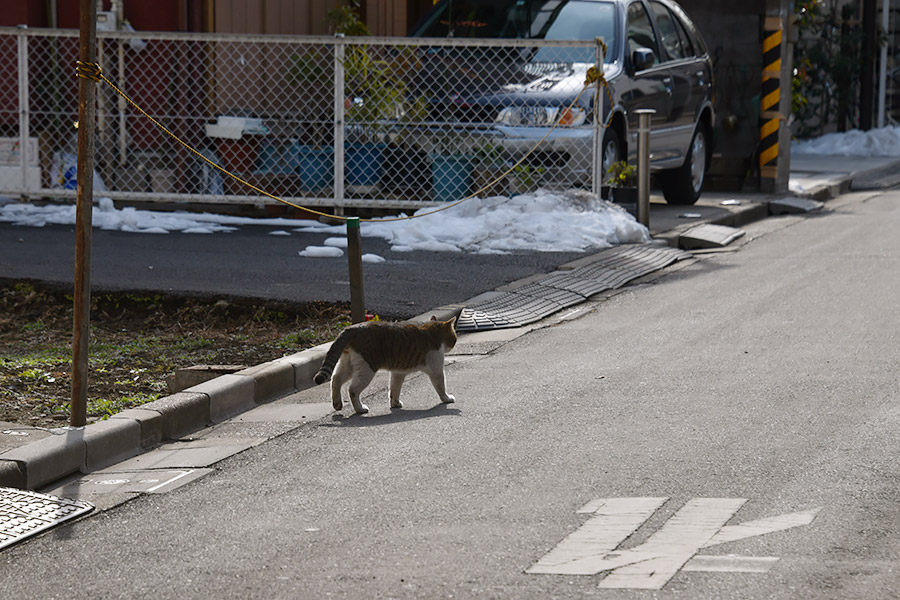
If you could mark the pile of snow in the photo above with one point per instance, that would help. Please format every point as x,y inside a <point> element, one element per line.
<point>884,141</point>
<point>572,221</point>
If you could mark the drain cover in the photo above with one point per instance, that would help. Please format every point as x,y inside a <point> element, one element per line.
<point>24,514</point>
<point>612,268</point>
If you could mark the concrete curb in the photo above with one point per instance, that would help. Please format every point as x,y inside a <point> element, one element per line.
<point>134,431</point>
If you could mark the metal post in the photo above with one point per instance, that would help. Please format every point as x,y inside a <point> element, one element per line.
<point>882,63</point>
<point>83,216</point>
<point>122,107</point>
<point>23,107</point>
<point>354,256</point>
<point>643,165</point>
<point>339,52</point>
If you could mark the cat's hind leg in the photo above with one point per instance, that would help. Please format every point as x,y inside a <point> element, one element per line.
<point>362,377</point>
<point>342,372</point>
<point>396,384</point>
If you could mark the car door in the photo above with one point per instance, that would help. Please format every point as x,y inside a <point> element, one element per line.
<point>687,80</point>
<point>650,86</point>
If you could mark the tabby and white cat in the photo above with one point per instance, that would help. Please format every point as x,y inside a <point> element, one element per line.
<point>362,349</point>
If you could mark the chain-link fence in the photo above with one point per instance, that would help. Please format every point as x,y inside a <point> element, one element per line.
<point>319,121</point>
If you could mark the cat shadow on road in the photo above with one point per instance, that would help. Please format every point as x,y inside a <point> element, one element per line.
<point>397,415</point>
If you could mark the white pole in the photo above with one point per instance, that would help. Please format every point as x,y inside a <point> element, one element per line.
<point>339,116</point>
<point>24,123</point>
<point>882,71</point>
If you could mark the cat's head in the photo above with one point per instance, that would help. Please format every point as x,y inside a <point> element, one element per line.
<point>447,330</point>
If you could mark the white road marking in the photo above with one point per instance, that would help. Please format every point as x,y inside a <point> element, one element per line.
<point>168,481</point>
<point>731,533</point>
<point>614,520</point>
<point>700,523</point>
<point>673,545</point>
<point>730,564</point>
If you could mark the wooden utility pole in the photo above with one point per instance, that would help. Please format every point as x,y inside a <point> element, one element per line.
<point>87,54</point>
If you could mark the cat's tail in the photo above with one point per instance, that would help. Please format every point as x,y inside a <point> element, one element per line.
<point>333,355</point>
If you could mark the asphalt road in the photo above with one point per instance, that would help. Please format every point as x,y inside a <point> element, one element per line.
<point>741,387</point>
<point>252,263</point>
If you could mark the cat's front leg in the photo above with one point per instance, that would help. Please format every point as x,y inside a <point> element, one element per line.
<point>396,384</point>
<point>440,386</point>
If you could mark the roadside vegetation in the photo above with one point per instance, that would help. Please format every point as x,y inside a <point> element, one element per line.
<point>137,341</point>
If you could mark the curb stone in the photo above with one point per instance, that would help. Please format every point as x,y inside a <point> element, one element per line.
<point>135,431</point>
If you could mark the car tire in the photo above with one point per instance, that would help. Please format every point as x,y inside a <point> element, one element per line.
<point>611,151</point>
<point>682,186</point>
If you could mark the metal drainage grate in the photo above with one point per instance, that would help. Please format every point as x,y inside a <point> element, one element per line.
<point>24,514</point>
<point>612,269</point>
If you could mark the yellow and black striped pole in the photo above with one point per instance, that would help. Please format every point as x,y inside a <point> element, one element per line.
<point>770,116</point>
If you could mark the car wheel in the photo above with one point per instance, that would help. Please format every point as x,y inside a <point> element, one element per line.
<point>683,185</point>
<point>611,151</point>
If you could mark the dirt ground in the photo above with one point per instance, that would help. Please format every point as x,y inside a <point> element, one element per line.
<point>137,340</point>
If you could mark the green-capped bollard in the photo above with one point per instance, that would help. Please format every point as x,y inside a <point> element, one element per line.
<point>354,258</point>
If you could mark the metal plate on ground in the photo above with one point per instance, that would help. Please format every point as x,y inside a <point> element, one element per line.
<point>794,206</point>
<point>24,514</point>
<point>709,236</point>
<point>507,310</point>
<point>561,296</point>
<point>612,268</point>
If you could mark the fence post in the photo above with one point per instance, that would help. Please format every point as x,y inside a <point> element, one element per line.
<point>339,51</point>
<point>597,138</point>
<point>24,125</point>
<point>643,166</point>
<point>354,257</point>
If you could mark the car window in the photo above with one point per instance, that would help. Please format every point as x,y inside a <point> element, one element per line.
<point>686,42</point>
<point>640,32</point>
<point>668,31</point>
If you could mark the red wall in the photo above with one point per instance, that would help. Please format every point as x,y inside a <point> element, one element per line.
<point>159,15</point>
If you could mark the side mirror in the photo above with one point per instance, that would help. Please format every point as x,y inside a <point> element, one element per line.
<point>642,58</point>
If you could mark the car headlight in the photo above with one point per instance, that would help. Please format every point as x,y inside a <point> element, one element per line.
<point>541,116</point>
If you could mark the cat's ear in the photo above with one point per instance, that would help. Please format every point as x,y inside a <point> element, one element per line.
<point>452,322</point>
<point>433,318</point>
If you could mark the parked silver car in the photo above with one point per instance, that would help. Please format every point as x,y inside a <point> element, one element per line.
<point>656,59</point>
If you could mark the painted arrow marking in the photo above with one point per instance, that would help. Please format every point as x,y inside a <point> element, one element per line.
<point>700,523</point>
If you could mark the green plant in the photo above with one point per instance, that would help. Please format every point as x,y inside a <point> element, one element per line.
<point>489,155</point>
<point>621,175</point>
<point>345,19</point>
<point>301,339</point>
<point>827,66</point>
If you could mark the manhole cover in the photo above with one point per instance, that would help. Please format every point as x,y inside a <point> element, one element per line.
<point>24,514</point>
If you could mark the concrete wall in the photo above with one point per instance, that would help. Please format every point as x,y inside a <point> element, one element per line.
<point>734,37</point>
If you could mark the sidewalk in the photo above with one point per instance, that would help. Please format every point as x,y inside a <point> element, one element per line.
<point>154,435</point>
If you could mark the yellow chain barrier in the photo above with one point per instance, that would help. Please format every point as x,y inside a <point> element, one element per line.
<point>93,72</point>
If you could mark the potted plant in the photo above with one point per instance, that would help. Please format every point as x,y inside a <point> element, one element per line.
<point>451,167</point>
<point>525,178</point>
<point>622,182</point>
<point>312,152</point>
<point>375,92</point>
<point>488,169</point>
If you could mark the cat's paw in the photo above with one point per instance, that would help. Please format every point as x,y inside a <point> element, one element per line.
<point>337,404</point>
<point>361,409</point>
<point>448,399</point>
<point>396,404</point>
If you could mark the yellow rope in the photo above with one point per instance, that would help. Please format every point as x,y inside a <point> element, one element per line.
<point>92,71</point>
